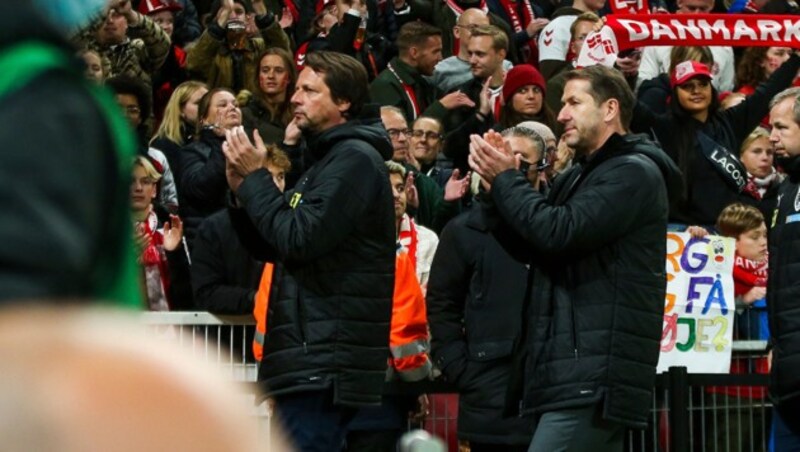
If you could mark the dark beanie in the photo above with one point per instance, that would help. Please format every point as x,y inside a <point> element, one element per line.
<point>519,76</point>
<point>217,4</point>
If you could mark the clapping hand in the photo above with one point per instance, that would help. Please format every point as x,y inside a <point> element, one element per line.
<point>456,188</point>
<point>173,233</point>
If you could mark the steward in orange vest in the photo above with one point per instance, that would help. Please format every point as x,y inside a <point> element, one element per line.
<point>409,341</point>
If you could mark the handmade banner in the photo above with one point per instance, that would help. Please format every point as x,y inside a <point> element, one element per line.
<point>699,306</point>
<point>626,31</point>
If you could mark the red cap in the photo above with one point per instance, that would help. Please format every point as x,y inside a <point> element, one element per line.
<point>156,6</point>
<point>519,76</point>
<point>688,70</point>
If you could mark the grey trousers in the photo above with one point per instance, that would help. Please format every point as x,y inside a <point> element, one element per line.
<point>577,430</point>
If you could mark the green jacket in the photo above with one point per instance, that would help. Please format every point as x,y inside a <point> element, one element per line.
<point>386,89</point>
<point>140,56</point>
<point>57,246</point>
<point>212,60</point>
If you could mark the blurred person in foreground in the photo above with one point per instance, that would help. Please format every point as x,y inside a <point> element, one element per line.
<point>67,233</point>
<point>117,389</point>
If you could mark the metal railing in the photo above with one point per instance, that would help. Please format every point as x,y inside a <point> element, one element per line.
<point>690,412</point>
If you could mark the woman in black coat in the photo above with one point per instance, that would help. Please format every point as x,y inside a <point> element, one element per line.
<point>203,186</point>
<point>703,139</point>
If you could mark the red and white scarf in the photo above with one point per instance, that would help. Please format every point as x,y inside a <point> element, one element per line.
<point>519,25</point>
<point>407,239</point>
<point>626,31</point>
<point>154,264</point>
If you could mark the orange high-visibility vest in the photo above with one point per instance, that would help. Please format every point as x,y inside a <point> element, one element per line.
<point>260,310</point>
<point>408,340</point>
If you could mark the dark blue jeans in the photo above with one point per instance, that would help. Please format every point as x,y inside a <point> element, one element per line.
<point>312,421</point>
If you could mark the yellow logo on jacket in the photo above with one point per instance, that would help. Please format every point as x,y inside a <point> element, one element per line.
<point>295,200</point>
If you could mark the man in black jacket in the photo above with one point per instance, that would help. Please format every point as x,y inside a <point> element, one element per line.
<point>330,302</point>
<point>476,294</point>
<point>783,289</point>
<point>598,244</point>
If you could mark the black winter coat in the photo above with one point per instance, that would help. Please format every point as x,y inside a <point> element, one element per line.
<point>655,93</point>
<point>597,301</point>
<point>203,186</point>
<point>783,291</point>
<point>225,275</point>
<point>334,234</point>
<point>475,302</point>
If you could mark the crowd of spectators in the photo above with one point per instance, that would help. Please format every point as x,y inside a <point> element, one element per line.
<point>189,74</point>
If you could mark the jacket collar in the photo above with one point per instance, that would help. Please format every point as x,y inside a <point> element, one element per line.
<point>407,74</point>
<point>792,167</point>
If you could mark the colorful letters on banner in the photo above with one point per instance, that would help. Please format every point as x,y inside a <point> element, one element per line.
<point>699,306</point>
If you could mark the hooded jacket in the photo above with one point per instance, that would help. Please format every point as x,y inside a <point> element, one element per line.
<point>783,292</point>
<point>334,236</point>
<point>475,302</point>
<point>596,303</point>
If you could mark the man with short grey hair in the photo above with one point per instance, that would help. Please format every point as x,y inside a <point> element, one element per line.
<point>783,289</point>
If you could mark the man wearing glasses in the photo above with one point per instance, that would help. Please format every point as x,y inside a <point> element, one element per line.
<point>427,139</point>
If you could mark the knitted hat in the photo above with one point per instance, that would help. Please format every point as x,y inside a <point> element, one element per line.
<point>687,70</point>
<point>217,4</point>
<point>519,76</point>
<point>156,6</point>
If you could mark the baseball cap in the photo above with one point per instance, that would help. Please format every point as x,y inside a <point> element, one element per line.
<point>688,70</point>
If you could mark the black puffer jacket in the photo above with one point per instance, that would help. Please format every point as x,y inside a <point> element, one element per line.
<point>475,302</point>
<point>225,275</point>
<point>597,301</point>
<point>334,234</point>
<point>783,291</point>
<point>202,188</point>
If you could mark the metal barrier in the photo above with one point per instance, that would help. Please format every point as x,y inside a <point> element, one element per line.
<point>697,412</point>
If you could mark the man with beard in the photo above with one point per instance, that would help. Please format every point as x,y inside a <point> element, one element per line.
<point>330,303</point>
<point>597,246</point>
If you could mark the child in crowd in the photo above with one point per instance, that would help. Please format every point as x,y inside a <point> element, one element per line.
<point>746,224</point>
<point>163,259</point>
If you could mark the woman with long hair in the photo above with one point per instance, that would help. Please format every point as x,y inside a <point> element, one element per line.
<point>269,110</point>
<point>757,64</point>
<point>179,123</point>
<point>523,93</point>
<point>703,139</point>
<point>203,184</point>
